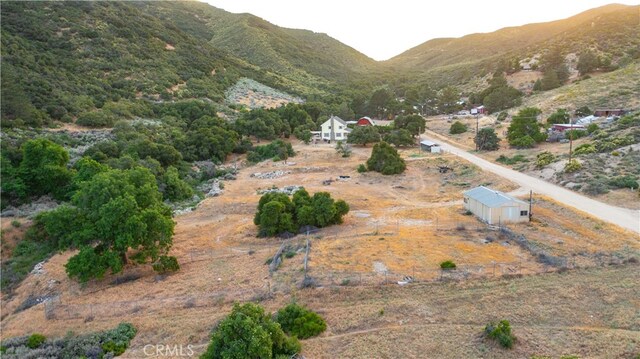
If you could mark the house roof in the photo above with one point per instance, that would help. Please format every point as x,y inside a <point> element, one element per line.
<point>491,198</point>
<point>336,119</point>
<point>428,143</point>
<point>367,118</point>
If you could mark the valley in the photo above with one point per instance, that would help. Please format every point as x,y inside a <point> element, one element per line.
<point>200,183</point>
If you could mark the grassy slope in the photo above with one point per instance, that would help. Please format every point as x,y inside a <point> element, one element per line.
<point>611,30</point>
<point>299,54</point>
<point>620,88</point>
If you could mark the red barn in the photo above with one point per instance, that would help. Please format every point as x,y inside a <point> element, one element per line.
<point>365,121</point>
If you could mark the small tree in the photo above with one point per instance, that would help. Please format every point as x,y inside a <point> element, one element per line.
<point>303,135</point>
<point>487,139</point>
<point>386,160</point>
<point>343,149</point>
<point>457,128</point>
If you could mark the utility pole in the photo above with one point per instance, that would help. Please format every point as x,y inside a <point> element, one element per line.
<point>570,137</point>
<point>476,132</point>
<point>530,204</point>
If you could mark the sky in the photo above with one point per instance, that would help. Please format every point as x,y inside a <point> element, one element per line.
<point>382,29</point>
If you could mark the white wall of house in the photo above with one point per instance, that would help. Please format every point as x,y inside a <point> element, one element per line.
<point>512,212</point>
<point>339,128</point>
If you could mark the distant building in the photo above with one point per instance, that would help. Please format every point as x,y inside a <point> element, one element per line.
<point>429,146</point>
<point>365,121</point>
<point>495,207</point>
<point>479,110</point>
<point>561,127</point>
<point>606,112</point>
<point>334,129</point>
<point>586,120</point>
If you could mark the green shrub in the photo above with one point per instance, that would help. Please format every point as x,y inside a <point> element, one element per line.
<point>277,150</point>
<point>572,166</point>
<point>596,187</point>
<point>574,134</point>
<point>35,340</point>
<point>250,333</point>
<point>386,160</point>
<point>624,182</point>
<point>502,116</point>
<point>362,168</point>
<point>513,160</point>
<point>166,264</point>
<point>545,158</point>
<point>16,223</point>
<point>300,322</point>
<point>457,128</point>
<point>290,254</point>
<point>112,347</point>
<point>592,127</point>
<point>584,149</point>
<point>448,264</point>
<point>501,332</point>
<point>523,142</point>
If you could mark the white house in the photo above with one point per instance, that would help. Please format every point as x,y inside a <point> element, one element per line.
<point>495,207</point>
<point>335,129</point>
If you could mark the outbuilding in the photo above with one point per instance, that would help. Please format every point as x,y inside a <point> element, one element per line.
<point>495,207</point>
<point>365,121</point>
<point>429,146</point>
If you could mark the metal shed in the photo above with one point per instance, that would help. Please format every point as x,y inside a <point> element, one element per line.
<point>495,207</point>
<point>429,146</point>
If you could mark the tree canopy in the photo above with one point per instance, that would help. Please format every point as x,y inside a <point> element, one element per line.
<point>386,160</point>
<point>524,130</point>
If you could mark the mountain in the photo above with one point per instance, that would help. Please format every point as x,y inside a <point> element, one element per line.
<point>611,29</point>
<point>298,54</point>
<point>63,59</point>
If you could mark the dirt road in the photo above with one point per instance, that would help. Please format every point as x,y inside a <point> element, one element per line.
<point>623,217</point>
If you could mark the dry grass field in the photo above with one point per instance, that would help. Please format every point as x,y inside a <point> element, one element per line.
<point>406,225</point>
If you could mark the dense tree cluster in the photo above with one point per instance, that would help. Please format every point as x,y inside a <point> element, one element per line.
<point>277,213</point>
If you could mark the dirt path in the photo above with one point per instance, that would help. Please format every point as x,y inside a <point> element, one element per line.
<point>626,218</point>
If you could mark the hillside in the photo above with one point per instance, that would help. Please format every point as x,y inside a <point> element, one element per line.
<point>299,54</point>
<point>60,60</point>
<point>611,30</point>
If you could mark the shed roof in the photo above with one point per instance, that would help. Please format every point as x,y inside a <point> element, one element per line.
<point>491,198</point>
<point>428,143</point>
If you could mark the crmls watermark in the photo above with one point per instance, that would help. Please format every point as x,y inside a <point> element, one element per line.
<point>166,350</point>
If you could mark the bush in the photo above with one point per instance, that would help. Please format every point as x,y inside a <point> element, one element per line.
<point>545,158</point>
<point>96,119</point>
<point>278,150</point>
<point>16,223</point>
<point>575,134</point>
<point>596,187</point>
<point>624,182</point>
<point>300,322</point>
<point>513,160</point>
<point>457,128</point>
<point>250,333</point>
<point>501,332</point>
<point>386,160</point>
<point>35,340</point>
<point>523,142</point>
<point>502,116</point>
<point>592,127</point>
<point>448,264</point>
<point>584,149</point>
<point>166,264</point>
<point>572,166</point>
<point>362,168</point>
